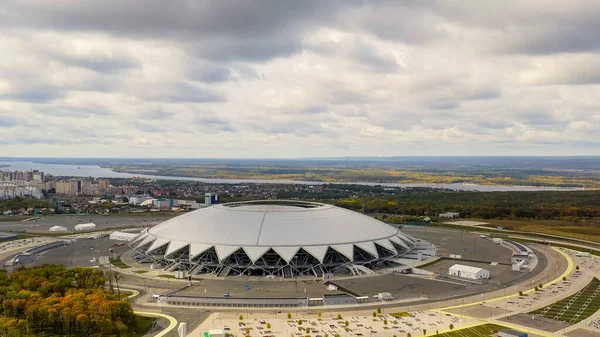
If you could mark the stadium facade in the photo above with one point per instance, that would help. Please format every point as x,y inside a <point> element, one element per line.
<point>278,238</point>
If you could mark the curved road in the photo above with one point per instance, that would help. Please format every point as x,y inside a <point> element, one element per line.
<point>171,319</point>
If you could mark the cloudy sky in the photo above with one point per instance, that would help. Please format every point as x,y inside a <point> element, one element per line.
<point>275,78</point>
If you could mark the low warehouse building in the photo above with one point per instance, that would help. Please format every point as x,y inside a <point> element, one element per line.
<point>122,236</point>
<point>57,229</point>
<point>85,226</point>
<point>474,273</point>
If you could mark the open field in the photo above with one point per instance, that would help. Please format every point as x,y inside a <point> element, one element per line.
<point>575,308</point>
<point>583,230</point>
<point>118,263</point>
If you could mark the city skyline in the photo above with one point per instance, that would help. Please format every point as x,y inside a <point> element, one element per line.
<point>285,79</point>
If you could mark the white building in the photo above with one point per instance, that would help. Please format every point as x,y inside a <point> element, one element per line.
<point>278,238</point>
<point>58,229</point>
<point>85,226</point>
<point>148,202</point>
<point>122,236</point>
<point>450,215</point>
<point>11,189</point>
<point>473,273</point>
<point>137,200</point>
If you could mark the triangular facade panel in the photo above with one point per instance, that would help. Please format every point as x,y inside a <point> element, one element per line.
<point>223,252</point>
<point>287,253</point>
<point>146,241</point>
<point>346,250</point>
<point>317,251</point>
<point>198,248</point>
<point>368,247</point>
<point>399,241</point>
<point>139,238</point>
<point>405,238</point>
<point>156,244</point>
<point>255,252</point>
<point>175,246</point>
<point>385,243</point>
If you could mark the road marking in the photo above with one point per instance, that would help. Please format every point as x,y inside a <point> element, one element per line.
<point>171,319</point>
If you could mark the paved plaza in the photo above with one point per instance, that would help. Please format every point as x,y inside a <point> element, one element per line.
<point>384,325</point>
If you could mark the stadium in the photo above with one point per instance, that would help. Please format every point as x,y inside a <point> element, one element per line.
<point>277,238</point>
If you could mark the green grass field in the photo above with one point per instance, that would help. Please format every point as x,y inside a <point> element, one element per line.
<point>118,263</point>
<point>574,308</point>
<point>476,331</point>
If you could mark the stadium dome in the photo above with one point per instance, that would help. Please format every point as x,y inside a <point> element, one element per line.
<point>277,237</point>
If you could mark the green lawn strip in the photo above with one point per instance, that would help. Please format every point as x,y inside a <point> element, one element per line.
<point>400,314</point>
<point>166,276</point>
<point>118,263</point>
<point>569,315</point>
<point>140,271</point>
<point>476,331</point>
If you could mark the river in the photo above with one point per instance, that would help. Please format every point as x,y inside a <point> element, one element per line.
<point>94,171</point>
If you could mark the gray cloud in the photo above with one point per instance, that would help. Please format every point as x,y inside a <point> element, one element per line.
<point>356,77</point>
<point>218,30</point>
<point>36,94</point>
<point>7,121</point>
<point>215,73</point>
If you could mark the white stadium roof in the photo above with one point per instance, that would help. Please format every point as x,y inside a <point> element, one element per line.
<point>284,226</point>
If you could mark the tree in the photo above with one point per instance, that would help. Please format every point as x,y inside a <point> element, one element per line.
<point>109,277</point>
<point>385,322</point>
<point>540,286</point>
<point>346,323</point>
<point>577,268</point>
<point>118,277</point>
<point>520,293</point>
<point>125,199</point>
<point>289,315</point>
<point>299,322</point>
<point>564,278</point>
<point>319,314</point>
<point>241,317</point>
<point>339,316</point>
<point>424,332</point>
<point>268,325</point>
<point>379,310</point>
<point>451,326</point>
<point>374,314</point>
<point>307,330</point>
<point>408,335</point>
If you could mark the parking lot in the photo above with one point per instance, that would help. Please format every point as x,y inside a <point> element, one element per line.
<point>69,221</point>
